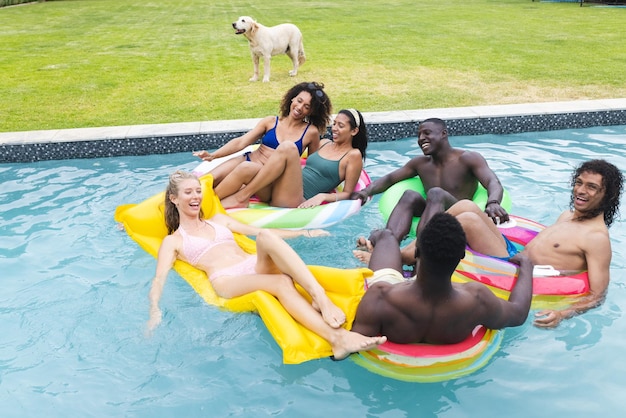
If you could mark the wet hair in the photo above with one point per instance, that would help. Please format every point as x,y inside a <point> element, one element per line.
<point>612,182</point>
<point>321,106</point>
<point>359,140</point>
<point>172,217</point>
<point>442,242</point>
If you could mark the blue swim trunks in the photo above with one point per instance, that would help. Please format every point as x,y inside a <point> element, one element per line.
<point>510,248</point>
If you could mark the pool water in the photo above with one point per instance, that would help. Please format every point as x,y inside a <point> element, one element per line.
<point>73,306</point>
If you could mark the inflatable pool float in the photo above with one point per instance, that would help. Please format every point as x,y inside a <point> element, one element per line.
<point>551,288</point>
<point>392,195</point>
<point>430,362</point>
<point>263,215</point>
<point>145,223</point>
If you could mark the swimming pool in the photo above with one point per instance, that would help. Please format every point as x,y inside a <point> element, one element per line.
<point>74,303</point>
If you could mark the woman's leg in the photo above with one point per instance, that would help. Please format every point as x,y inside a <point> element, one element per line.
<point>274,255</point>
<point>281,286</point>
<point>242,174</point>
<point>220,172</point>
<point>280,176</point>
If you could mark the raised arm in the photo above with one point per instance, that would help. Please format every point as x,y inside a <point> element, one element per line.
<point>598,256</point>
<point>165,261</point>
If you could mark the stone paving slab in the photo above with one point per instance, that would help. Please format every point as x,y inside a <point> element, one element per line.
<point>29,146</point>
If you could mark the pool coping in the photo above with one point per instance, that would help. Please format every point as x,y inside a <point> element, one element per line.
<point>111,141</point>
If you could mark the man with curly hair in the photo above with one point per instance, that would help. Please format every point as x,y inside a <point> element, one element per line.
<point>432,309</point>
<point>578,240</point>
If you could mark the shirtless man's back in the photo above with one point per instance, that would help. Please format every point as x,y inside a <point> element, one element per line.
<point>431,308</point>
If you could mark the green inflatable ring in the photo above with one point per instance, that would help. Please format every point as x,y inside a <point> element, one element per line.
<point>392,195</point>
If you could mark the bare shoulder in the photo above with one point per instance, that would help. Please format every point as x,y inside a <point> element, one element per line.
<point>596,236</point>
<point>417,162</point>
<point>470,157</point>
<point>473,289</point>
<point>312,131</point>
<point>354,155</point>
<point>262,126</point>
<point>268,121</point>
<point>171,242</point>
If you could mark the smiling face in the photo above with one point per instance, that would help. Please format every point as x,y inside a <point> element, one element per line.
<point>342,130</point>
<point>430,136</point>
<point>188,199</point>
<point>301,105</point>
<point>588,191</point>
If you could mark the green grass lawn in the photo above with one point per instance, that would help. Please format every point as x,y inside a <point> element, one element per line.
<point>83,63</point>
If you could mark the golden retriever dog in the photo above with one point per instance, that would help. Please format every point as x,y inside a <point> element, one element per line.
<point>267,41</point>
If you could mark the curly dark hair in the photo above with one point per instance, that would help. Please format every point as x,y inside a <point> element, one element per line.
<point>443,240</point>
<point>321,106</point>
<point>612,182</point>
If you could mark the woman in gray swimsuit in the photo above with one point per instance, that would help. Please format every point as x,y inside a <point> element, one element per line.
<point>283,182</point>
<point>304,115</point>
<point>209,245</point>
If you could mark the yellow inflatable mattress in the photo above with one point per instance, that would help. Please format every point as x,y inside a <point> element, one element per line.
<point>145,223</point>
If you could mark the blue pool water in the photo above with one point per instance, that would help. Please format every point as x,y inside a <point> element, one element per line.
<point>74,303</point>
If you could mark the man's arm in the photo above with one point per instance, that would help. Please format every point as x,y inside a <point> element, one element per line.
<point>598,257</point>
<point>513,312</point>
<point>407,171</point>
<point>490,181</point>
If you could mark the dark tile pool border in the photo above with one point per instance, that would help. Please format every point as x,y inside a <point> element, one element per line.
<point>382,126</point>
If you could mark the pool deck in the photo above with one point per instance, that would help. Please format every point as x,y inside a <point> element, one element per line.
<point>31,146</point>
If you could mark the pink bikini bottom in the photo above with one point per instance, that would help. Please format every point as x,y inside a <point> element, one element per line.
<point>247,266</point>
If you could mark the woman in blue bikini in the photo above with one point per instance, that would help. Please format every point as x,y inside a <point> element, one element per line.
<point>209,245</point>
<point>283,182</point>
<point>304,116</point>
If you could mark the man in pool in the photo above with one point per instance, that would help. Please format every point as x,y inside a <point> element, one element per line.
<point>430,308</point>
<point>448,175</point>
<point>578,240</point>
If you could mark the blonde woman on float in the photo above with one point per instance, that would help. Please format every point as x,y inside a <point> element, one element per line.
<point>283,182</point>
<point>209,245</point>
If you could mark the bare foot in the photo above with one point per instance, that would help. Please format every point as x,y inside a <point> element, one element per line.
<point>231,202</point>
<point>349,342</point>
<point>363,256</point>
<point>364,244</point>
<point>331,313</point>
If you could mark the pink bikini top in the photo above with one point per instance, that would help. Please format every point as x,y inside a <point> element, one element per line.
<point>195,247</point>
